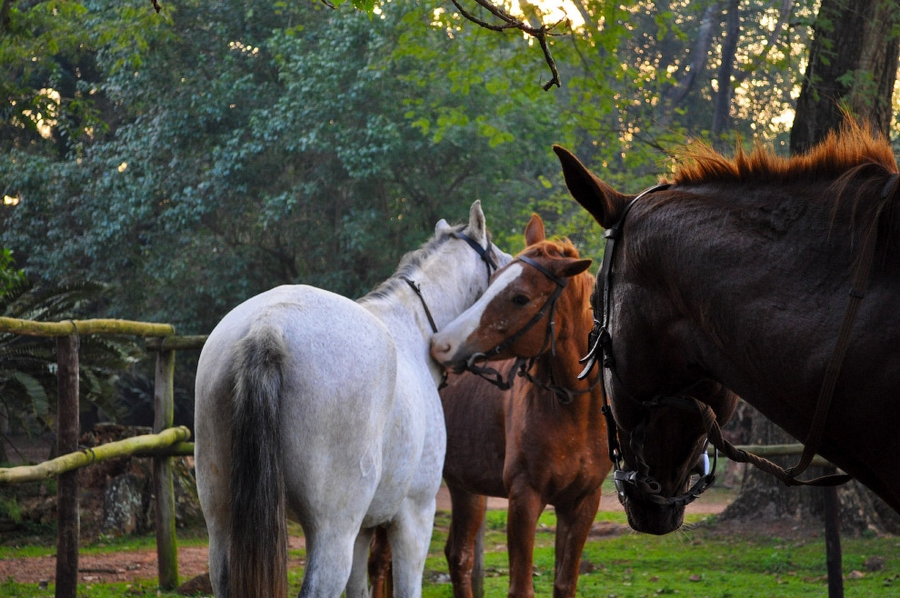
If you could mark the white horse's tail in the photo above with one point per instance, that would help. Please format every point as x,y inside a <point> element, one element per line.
<point>258,551</point>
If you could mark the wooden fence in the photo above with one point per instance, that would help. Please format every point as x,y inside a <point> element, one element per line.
<point>165,443</point>
<point>160,446</point>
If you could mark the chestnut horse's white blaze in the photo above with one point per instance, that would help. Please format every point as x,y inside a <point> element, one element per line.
<point>308,401</point>
<point>469,324</point>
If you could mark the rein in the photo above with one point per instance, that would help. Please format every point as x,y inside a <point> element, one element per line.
<point>521,367</point>
<point>600,343</point>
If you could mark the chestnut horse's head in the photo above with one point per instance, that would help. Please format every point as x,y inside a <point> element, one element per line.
<point>517,315</point>
<point>650,369</point>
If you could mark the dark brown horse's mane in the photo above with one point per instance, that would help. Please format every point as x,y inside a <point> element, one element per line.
<point>851,158</point>
<point>854,146</point>
<point>856,170</point>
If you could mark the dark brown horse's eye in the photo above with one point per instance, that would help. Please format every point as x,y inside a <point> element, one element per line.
<point>521,300</point>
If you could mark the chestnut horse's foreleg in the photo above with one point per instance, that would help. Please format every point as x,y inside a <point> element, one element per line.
<point>525,507</point>
<point>357,585</point>
<point>380,565</point>
<point>573,523</point>
<point>466,518</point>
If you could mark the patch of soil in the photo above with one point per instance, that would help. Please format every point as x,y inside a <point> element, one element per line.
<point>192,560</point>
<point>117,567</point>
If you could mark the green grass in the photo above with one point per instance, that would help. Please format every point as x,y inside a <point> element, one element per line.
<point>698,562</point>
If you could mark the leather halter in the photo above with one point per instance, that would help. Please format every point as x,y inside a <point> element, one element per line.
<point>486,256</point>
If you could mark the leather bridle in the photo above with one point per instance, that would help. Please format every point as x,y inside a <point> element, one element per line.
<point>486,256</point>
<point>600,349</point>
<point>521,365</point>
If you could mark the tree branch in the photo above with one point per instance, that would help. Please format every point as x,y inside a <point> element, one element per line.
<point>510,22</point>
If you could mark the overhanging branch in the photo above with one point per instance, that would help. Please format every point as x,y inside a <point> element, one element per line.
<point>508,21</point>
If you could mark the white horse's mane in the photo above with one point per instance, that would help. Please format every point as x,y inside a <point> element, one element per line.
<point>410,265</point>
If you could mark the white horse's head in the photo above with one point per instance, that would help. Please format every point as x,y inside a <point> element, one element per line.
<point>447,274</point>
<point>459,260</point>
<point>515,316</point>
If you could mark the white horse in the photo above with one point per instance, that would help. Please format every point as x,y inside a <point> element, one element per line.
<point>308,401</point>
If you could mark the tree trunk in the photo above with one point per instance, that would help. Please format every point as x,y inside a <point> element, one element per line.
<point>763,498</point>
<point>729,48</point>
<point>672,97</point>
<point>852,66</point>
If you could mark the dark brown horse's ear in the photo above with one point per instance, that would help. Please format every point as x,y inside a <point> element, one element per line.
<point>534,231</point>
<point>599,199</point>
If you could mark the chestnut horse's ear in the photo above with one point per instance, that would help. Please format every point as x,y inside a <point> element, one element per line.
<point>569,266</point>
<point>599,199</point>
<point>534,232</point>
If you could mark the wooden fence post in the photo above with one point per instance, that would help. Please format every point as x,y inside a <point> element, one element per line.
<point>163,488</point>
<point>67,432</point>
<point>833,555</point>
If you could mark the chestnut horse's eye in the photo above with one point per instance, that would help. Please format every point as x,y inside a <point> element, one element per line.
<point>521,300</point>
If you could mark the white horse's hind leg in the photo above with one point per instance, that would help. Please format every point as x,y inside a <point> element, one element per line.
<point>218,558</point>
<point>358,586</point>
<point>409,537</point>
<point>328,565</point>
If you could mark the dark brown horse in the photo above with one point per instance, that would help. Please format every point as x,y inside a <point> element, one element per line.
<point>540,442</point>
<point>738,275</point>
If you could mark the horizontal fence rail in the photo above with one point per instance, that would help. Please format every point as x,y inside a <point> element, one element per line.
<point>69,327</point>
<point>144,445</point>
<point>173,443</point>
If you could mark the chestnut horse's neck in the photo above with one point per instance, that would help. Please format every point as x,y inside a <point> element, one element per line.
<point>573,322</point>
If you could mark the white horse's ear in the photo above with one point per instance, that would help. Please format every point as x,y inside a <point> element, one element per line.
<point>441,225</point>
<point>477,225</point>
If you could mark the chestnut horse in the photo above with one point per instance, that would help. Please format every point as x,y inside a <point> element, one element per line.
<point>775,278</point>
<point>541,441</point>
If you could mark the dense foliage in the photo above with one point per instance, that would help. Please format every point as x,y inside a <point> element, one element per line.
<point>195,157</point>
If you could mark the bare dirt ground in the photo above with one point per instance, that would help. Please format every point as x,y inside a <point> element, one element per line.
<point>192,560</point>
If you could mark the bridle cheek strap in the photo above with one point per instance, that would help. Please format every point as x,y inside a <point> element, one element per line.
<point>485,254</point>
<point>600,340</point>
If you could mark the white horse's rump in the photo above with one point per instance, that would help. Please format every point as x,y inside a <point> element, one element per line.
<point>310,401</point>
